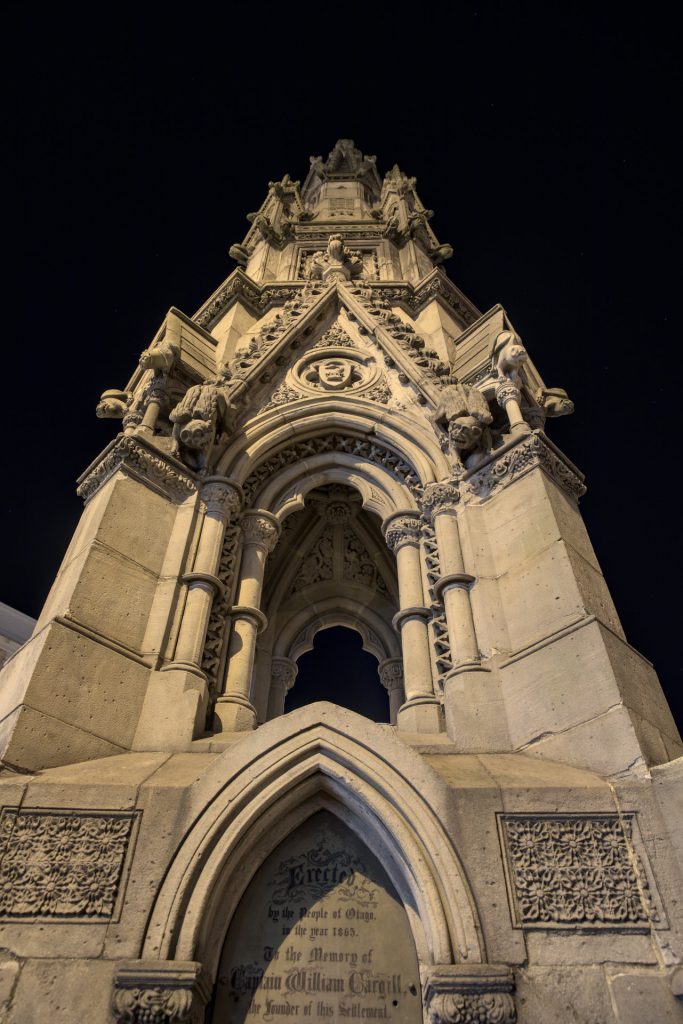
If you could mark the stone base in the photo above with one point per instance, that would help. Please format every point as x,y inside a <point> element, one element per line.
<point>420,715</point>
<point>475,711</point>
<point>174,712</point>
<point>234,714</point>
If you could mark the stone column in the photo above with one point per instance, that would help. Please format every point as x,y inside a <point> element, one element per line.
<point>469,686</point>
<point>155,397</point>
<point>221,499</point>
<point>421,711</point>
<point>391,678</point>
<point>234,711</point>
<point>508,398</point>
<point>282,677</point>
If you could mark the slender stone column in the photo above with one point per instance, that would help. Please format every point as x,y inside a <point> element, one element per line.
<point>469,684</point>
<point>221,499</point>
<point>234,711</point>
<point>391,678</point>
<point>421,711</point>
<point>156,396</point>
<point>508,397</point>
<point>283,675</point>
<point>453,586</point>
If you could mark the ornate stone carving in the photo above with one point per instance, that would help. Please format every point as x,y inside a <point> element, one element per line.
<point>283,673</point>
<point>241,287</point>
<point>216,633</point>
<point>334,374</point>
<point>359,566</point>
<point>336,262</point>
<point>197,416</point>
<point>507,391</point>
<point>282,395</point>
<point>148,465</point>
<point>441,646</point>
<point>381,392</point>
<point>221,496</point>
<point>532,452</point>
<point>271,332</point>
<point>113,404</point>
<point>478,995</point>
<point>391,674</point>
<point>260,529</point>
<point>335,337</point>
<point>373,451</point>
<point>317,565</point>
<point>575,871</point>
<point>463,411</point>
<point>402,530</point>
<point>62,864</point>
<point>160,992</point>
<point>439,496</point>
<point>162,355</point>
<point>508,355</point>
<point>402,332</point>
<point>554,401</point>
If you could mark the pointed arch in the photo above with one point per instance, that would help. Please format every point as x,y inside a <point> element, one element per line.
<point>322,757</point>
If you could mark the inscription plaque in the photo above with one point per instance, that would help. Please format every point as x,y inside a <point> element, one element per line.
<point>320,935</point>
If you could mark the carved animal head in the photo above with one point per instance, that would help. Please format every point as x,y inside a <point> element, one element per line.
<point>196,434</point>
<point>465,433</point>
<point>508,353</point>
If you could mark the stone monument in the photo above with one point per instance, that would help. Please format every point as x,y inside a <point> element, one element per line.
<point>338,437</point>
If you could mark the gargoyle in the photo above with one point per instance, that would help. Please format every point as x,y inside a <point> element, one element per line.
<point>160,356</point>
<point>508,355</point>
<point>554,401</point>
<point>197,416</point>
<point>464,413</point>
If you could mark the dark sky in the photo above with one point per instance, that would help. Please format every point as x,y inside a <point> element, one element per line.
<point>544,137</point>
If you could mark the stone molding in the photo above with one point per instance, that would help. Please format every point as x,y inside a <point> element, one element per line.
<point>283,673</point>
<point>507,391</point>
<point>475,994</point>
<point>63,864</point>
<point>372,450</point>
<point>575,871</point>
<point>145,464</point>
<point>160,992</point>
<point>530,452</point>
<point>439,498</point>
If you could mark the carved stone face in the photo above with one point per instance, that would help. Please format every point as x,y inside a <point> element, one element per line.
<point>335,374</point>
<point>514,354</point>
<point>465,433</point>
<point>196,434</point>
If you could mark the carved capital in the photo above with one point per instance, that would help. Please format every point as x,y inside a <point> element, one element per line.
<point>480,994</point>
<point>438,498</point>
<point>507,391</point>
<point>260,528</point>
<point>391,674</point>
<point>402,530</point>
<point>160,992</point>
<point>283,673</point>
<point>221,497</point>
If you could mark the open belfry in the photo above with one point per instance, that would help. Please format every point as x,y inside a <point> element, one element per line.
<point>337,438</point>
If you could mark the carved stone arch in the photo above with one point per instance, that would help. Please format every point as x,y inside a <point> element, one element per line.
<point>321,757</point>
<point>295,637</point>
<point>417,444</point>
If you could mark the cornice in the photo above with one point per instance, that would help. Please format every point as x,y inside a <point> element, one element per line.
<point>141,461</point>
<point>520,456</point>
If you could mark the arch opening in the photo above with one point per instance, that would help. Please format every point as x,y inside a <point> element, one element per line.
<point>331,570</point>
<point>308,933</point>
<point>338,669</point>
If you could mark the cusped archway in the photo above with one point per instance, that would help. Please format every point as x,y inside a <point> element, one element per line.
<point>317,758</point>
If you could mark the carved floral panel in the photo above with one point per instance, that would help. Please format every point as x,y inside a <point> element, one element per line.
<point>575,871</point>
<point>62,864</point>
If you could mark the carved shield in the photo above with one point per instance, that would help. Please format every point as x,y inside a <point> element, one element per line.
<point>335,374</point>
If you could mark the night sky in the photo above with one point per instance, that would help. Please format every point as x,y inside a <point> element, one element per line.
<point>545,139</point>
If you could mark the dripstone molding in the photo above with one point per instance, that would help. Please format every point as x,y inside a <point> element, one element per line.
<point>337,438</point>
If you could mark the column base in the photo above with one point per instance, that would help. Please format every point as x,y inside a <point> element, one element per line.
<point>174,711</point>
<point>421,714</point>
<point>475,712</point>
<point>234,714</point>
